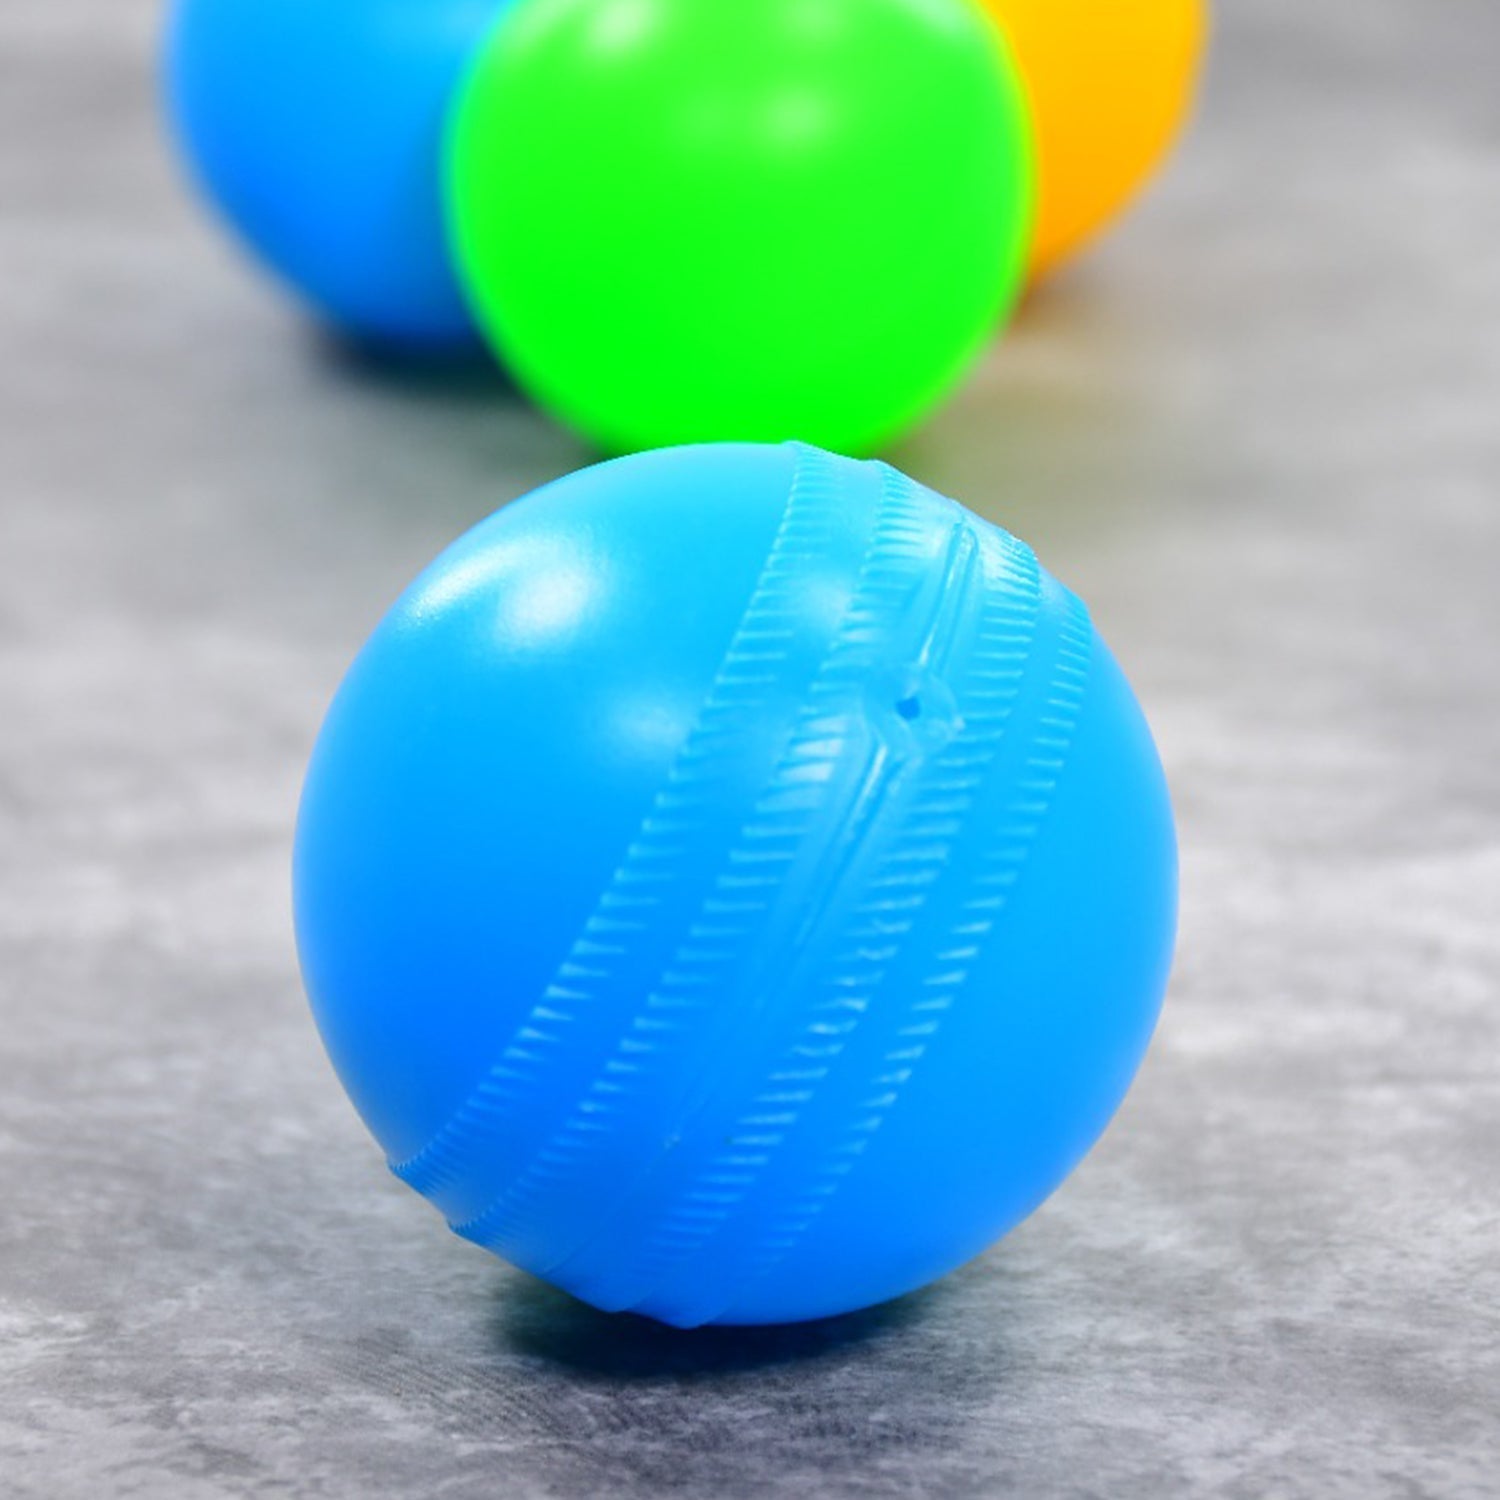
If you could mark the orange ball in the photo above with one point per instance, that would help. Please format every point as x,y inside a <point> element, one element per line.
<point>1111,83</point>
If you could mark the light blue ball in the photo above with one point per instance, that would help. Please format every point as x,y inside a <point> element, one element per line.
<point>736,883</point>
<point>316,126</point>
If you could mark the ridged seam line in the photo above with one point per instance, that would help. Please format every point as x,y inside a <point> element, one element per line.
<point>931,638</point>
<point>957,950</point>
<point>753,882</point>
<point>897,900</point>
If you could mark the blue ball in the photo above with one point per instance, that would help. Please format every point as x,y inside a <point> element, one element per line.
<point>317,126</point>
<point>736,884</point>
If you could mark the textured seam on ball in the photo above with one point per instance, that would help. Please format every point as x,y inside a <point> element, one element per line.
<point>498,1106</point>
<point>894,904</point>
<point>946,802</point>
<point>839,771</point>
<point>908,1025</point>
<point>768,1121</point>
<point>787,911</point>
<point>759,885</point>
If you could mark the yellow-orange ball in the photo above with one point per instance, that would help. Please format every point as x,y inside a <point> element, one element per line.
<point>1111,82</point>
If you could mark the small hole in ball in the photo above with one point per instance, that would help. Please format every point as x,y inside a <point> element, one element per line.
<point>909,707</point>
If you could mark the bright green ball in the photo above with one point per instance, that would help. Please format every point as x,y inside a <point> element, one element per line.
<point>695,220</point>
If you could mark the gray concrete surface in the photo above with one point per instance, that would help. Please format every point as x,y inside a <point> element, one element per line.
<point>1260,431</point>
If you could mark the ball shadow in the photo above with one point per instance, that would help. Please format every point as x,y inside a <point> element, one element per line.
<point>1074,293</point>
<point>468,373</point>
<point>540,1322</point>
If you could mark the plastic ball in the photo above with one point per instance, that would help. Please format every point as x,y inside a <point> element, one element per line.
<point>316,126</point>
<point>683,221</point>
<point>735,883</point>
<point>1110,85</point>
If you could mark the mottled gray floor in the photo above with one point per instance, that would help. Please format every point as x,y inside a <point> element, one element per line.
<point>1261,432</point>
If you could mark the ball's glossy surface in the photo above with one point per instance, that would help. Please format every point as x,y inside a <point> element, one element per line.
<point>316,127</point>
<point>1111,84</point>
<point>689,222</point>
<point>735,883</point>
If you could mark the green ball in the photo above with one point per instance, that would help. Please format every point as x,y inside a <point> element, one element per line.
<point>702,220</point>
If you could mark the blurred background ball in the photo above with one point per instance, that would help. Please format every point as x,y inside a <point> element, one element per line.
<point>736,884</point>
<point>1111,83</point>
<point>316,127</point>
<point>759,220</point>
